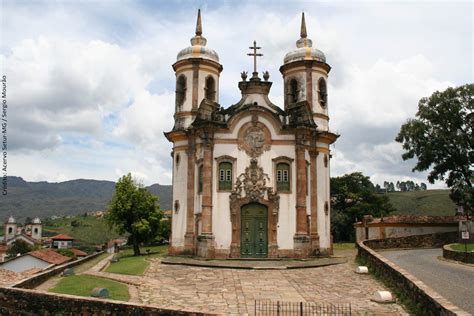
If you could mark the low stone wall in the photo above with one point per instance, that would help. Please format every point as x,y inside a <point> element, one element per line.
<point>29,302</point>
<point>417,241</point>
<point>42,277</point>
<point>429,302</point>
<point>466,257</point>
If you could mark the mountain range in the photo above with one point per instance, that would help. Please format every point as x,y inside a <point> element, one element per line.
<point>45,199</point>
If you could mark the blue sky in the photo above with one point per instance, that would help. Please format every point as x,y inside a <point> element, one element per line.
<point>90,83</point>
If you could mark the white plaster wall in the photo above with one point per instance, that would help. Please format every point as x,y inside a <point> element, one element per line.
<point>36,231</point>
<point>9,235</point>
<point>180,194</point>
<point>308,183</point>
<point>316,106</point>
<point>400,231</point>
<point>221,212</point>
<point>323,196</point>
<point>323,124</point>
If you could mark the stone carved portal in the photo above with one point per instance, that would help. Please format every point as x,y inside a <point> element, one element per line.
<point>251,187</point>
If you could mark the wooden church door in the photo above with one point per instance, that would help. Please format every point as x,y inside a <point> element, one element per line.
<point>254,232</point>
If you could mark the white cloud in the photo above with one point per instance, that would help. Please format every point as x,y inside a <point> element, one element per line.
<point>59,86</point>
<point>92,97</point>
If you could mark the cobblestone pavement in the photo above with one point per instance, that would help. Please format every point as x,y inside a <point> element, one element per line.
<point>233,291</point>
<point>452,280</point>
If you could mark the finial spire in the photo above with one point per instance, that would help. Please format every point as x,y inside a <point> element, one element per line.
<point>303,33</point>
<point>199,24</point>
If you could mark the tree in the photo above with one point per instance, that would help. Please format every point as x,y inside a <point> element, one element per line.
<point>134,210</point>
<point>18,246</point>
<point>441,139</point>
<point>28,220</point>
<point>423,186</point>
<point>353,196</point>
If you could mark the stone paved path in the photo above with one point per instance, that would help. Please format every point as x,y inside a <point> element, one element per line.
<point>233,291</point>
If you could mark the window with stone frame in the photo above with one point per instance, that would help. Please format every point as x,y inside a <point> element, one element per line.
<point>200,179</point>
<point>210,89</point>
<point>180,92</point>
<point>225,176</point>
<point>283,177</point>
<point>323,92</point>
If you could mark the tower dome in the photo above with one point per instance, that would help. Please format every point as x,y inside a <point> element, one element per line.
<point>304,50</point>
<point>198,47</point>
<point>36,221</point>
<point>11,220</point>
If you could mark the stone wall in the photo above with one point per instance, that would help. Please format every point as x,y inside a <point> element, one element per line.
<point>466,257</point>
<point>28,302</point>
<point>417,241</point>
<point>42,277</point>
<point>429,302</point>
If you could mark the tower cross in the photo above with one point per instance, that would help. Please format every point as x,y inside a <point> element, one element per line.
<point>254,54</point>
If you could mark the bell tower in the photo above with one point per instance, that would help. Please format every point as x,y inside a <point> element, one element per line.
<point>305,74</point>
<point>10,228</point>
<point>36,229</point>
<point>197,72</point>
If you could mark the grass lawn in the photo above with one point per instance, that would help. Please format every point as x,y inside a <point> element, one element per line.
<point>460,247</point>
<point>82,285</point>
<point>343,245</point>
<point>128,264</point>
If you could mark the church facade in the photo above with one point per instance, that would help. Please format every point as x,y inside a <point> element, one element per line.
<point>251,180</point>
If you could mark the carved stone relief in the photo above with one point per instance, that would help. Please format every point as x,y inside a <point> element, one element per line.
<point>252,184</point>
<point>255,139</point>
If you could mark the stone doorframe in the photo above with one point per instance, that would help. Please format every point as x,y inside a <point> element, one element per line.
<point>251,187</point>
<point>236,219</point>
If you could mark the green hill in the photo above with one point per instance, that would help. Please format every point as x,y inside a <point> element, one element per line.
<point>44,199</point>
<point>430,202</point>
<point>86,230</point>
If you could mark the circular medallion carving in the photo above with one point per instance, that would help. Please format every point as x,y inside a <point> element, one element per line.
<point>254,139</point>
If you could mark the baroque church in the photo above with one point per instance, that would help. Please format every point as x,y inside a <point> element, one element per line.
<point>251,180</point>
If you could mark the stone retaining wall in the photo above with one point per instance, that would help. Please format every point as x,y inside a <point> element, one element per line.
<point>466,257</point>
<point>436,240</point>
<point>42,277</point>
<point>429,301</point>
<point>29,302</point>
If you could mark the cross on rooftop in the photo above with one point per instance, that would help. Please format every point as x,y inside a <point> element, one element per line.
<point>254,54</point>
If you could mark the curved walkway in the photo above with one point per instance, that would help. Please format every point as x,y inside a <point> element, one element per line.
<point>454,281</point>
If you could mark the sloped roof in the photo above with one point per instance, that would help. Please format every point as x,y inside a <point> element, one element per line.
<point>24,236</point>
<point>62,236</point>
<point>78,253</point>
<point>50,256</point>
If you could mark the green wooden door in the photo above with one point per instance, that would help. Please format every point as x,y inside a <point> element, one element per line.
<point>254,237</point>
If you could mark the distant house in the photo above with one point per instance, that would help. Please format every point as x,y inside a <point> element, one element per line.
<point>62,241</point>
<point>39,259</point>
